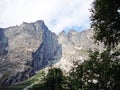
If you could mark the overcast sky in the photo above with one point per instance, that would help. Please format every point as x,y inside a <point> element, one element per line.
<point>58,15</point>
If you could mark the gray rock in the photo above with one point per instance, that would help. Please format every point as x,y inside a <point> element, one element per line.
<point>27,48</point>
<point>31,46</point>
<point>49,50</point>
<point>3,43</point>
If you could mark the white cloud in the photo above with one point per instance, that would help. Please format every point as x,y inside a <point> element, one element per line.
<point>57,14</point>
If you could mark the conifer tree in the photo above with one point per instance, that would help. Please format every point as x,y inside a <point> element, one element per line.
<point>106,21</point>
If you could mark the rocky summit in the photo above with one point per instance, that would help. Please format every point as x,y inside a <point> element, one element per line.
<point>27,48</point>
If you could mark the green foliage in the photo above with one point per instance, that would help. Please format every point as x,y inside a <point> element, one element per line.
<point>54,80</point>
<point>106,21</point>
<point>39,86</point>
<point>100,72</point>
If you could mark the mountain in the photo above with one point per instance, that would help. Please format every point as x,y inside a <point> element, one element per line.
<point>27,48</point>
<point>75,47</point>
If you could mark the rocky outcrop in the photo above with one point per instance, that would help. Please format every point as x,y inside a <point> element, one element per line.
<point>25,49</point>
<point>19,77</point>
<point>82,39</point>
<point>75,46</point>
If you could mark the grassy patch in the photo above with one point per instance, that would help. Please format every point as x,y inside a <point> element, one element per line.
<point>35,79</point>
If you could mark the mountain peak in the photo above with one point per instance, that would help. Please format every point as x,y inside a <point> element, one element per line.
<point>62,32</point>
<point>73,31</point>
<point>36,22</point>
<point>24,23</point>
<point>40,21</point>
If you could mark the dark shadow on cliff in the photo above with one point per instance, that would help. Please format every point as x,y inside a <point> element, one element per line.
<point>50,50</point>
<point>3,43</point>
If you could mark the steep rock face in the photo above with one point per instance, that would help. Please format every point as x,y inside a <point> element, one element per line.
<point>74,47</point>
<point>82,39</point>
<point>49,50</point>
<point>25,49</point>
